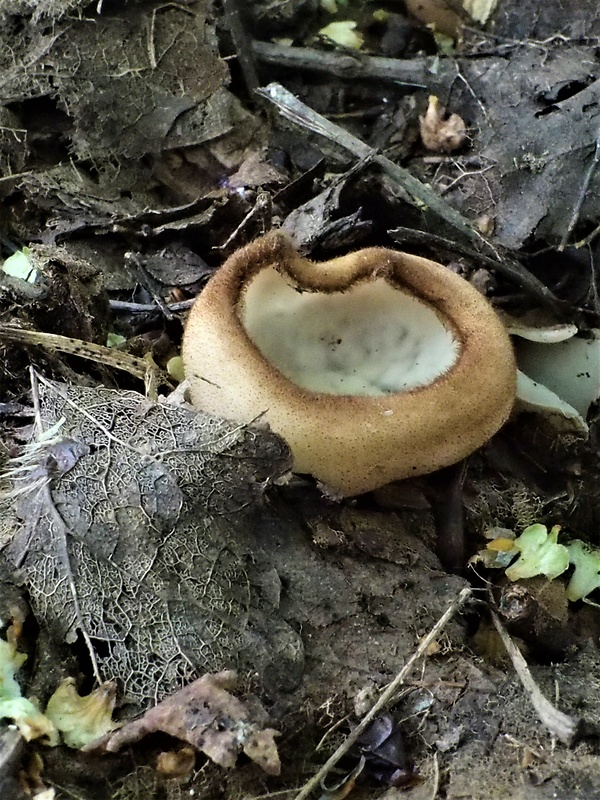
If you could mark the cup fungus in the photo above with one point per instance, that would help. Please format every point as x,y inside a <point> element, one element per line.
<point>375,366</point>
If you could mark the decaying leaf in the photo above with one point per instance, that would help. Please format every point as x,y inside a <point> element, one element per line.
<point>586,577</point>
<point>480,10</point>
<point>131,533</point>
<point>382,744</point>
<point>206,715</point>
<point>175,764</point>
<point>132,103</point>
<point>343,33</point>
<point>13,706</point>
<point>438,15</point>
<point>81,719</point>
<point>439,132</point>
<point>540,554</point>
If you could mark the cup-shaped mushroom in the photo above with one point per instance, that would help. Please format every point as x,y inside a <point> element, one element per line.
<point>374,366</point>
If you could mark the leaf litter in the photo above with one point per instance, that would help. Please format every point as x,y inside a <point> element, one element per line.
<point>206,715</point>
<point>128,532</point>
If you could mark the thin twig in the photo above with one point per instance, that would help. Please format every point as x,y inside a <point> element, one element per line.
<point>242,44</point>
<point>297,112</point>
<point>429,73</point>
<point>35,396</point>
<point>135,264</point>
<point>300,114</point>
<point>135,308</point>
<point>589,174</point>
<point>565,728</point>
<point>387,695</point>
<point>475,97</point>
<point>436,777</point>
<point>16,175</point>
<point>512,270</point>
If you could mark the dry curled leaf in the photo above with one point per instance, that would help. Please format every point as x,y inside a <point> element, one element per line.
<point>25,713</point>
<point>206,715</point>
<point>382,744</point>
<point>480,10</point>
<point>131,529</point>
<point>176,764</point>
<point>81,719</point>
<point>441,133</point>
<point>437,15</point>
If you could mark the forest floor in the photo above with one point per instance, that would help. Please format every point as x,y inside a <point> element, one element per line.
<point>143,546</point>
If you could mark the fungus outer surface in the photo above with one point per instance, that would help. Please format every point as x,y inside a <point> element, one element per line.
<point>263,328</point>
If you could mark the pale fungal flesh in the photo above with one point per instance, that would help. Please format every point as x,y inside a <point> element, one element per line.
<point>373,367</point>
<point>328,342</point>
<point>559,370</point>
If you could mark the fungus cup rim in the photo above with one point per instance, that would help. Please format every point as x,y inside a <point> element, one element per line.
<point>353,443</point>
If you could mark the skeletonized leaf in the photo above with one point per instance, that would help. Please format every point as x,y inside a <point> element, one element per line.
<point>131,534</point>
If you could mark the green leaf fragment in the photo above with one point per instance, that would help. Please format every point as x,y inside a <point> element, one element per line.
<point>19,266</point>
<point>115,340</point>
<point>540,554</point>
<point>586,577</point>
<point>23,712</point>
<point>82,719</point>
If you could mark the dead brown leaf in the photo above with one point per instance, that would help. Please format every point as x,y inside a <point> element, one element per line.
<point>436,14</point>
<point>118,542</point>
<point>206,715</point>
<point>441,133</point>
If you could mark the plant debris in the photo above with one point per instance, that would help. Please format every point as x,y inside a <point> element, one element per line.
<point>441,132</point>
<point>206,715</point>
<point>138,149</point>
<point>128,531</point>
<point>541,554</point>
<point>81,720</point>
<point>26,715</point>
<point>385,754</point>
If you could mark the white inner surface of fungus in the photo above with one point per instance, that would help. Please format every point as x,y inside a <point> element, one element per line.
<point>370,340</point>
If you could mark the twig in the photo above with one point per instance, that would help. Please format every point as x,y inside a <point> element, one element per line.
<point>300,114</point>
<point>567,729</point>
<point>15,175</point>
<point>135,264</point>
<point>473,94</point>
<point>510,269</point>
<point>589,174</point>
<point>135,308</point>
<point>436,777</point>
<point>37,406</point>
<point>262,210</point>
<point>424,73</point>
<point>139,367</point>
<point>242,44</point>
<point>387,695</point>
<point>296,111</point>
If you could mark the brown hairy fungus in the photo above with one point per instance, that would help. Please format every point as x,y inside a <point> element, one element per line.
<point>375,366</point>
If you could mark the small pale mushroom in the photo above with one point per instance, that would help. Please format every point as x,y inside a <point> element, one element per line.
<point>374,367</point>
<point>558,370</point>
